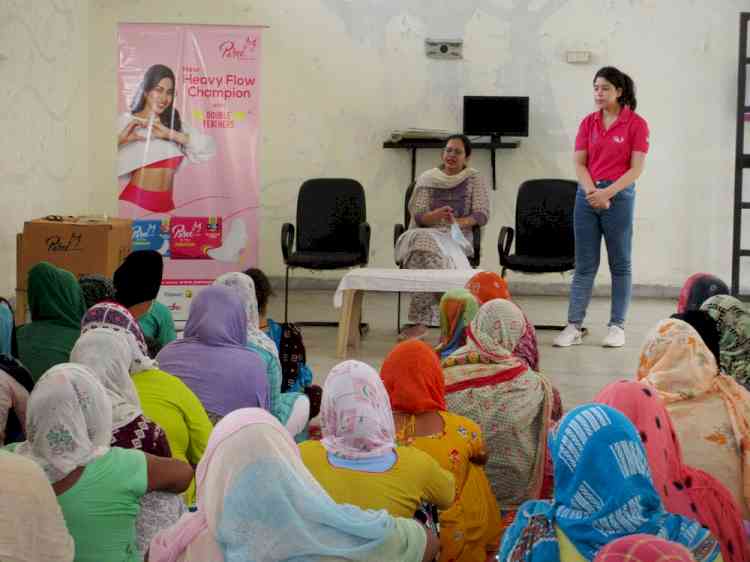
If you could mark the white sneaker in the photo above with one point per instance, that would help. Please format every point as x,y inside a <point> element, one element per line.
<point>615,337</point>
<point>569,336</point>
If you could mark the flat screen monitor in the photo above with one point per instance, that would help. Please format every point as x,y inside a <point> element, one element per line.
<point>496,116</point>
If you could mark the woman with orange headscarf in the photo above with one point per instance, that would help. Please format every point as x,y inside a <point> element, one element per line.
<point>488,285</point>
<point>471,528</point>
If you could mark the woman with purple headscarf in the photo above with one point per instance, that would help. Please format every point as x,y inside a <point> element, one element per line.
<point>213,359</point>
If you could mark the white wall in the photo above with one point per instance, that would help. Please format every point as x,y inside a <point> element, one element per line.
<point>340,74</point>
<point>44,114</point>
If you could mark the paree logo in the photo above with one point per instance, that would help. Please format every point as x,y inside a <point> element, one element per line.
<point>231,50</point>
<point>57,243</point>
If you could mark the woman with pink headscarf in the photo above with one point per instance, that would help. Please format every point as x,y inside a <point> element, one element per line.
<point>644,548</point>
<point>684,490</point>
<point>358,462</point>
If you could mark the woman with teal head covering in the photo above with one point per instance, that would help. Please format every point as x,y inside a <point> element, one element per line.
<point>458,307</point>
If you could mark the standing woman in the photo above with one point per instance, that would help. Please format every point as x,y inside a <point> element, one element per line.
<point>610,152</point>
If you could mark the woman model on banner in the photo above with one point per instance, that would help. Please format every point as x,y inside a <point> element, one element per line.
<point>610,152</point>
<point>153,142</point>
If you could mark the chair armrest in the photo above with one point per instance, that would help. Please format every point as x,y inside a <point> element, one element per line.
<point>364,242</point>
<point>398,230</point>
<point>476,231</point>
<point>287,240</point>
<point>504,241</point>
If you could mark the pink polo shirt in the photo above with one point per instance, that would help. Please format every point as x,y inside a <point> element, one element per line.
<point>609,152</point>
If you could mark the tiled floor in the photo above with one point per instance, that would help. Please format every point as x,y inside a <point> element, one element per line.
<point>578,372</point>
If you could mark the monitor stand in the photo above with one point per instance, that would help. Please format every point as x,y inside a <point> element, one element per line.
<point>496,139</point>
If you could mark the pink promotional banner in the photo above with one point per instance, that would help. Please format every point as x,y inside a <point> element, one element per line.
<point>187,137</point>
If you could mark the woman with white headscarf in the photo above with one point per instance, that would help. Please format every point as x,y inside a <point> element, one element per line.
<point>292,409</point>
<point>165,399</point>
<point>257,502</point>
<point>98,487</point>
<point>108,354</point>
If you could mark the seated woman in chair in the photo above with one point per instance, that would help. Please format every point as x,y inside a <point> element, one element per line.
<point>451,193</point>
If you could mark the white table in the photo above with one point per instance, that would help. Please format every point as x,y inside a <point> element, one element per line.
<point>348,296</point>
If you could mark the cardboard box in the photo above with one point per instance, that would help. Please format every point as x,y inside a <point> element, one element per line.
<point>78,246</point>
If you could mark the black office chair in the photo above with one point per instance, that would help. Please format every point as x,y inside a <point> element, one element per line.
<point>544,230</point>
<point>332,231</point>
<point>399,229</point>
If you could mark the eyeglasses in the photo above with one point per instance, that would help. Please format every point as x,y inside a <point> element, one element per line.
<point>456,151</point>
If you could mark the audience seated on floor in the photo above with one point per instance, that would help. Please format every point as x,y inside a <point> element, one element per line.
<point>57,307</point>
<point>96,288</point>
<point>164,398</point>
<point>447,202</point>
<point>684,490</point>
<point>15,385</point>
<point>603,491</point>
<point>292,409</point>
<point>257,501</point>
<point>489,381</point>
<point>358,461</point>
<point>644,548</point>
<point>98,487</point>
<point>213,359</point>
<point>470,529</point>
<point>488,285</point>
<point>457,309</point>
<point>466,430</point>
<point>733,324</point>
<point>32,527</point>
<point>698,288</point>
<point>8,345</point>
<point>137,282</point>
<point>710,410</point>
<point>296,373</point>
<point>108,355</point>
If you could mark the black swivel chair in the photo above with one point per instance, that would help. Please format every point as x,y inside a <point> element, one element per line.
<point>399,229</point>
<point>332,231</point>
<point>544,230</point>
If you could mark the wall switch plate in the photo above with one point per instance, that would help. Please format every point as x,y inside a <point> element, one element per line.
<point>444,48</point>
<point>578,57</point>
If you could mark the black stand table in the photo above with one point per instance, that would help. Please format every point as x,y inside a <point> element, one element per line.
<point>414,144</point>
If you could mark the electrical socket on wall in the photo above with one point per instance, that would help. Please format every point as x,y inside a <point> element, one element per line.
<point>578,57</point>
<point>444,48</point>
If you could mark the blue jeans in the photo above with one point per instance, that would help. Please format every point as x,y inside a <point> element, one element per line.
<point>616,225</point>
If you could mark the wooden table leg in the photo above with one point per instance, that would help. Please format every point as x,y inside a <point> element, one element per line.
<point>356,319</point>
<point>345,323</point>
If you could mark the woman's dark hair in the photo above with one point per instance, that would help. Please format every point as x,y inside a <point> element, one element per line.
<point>153,346</point>
<point>170,117</point>
<point>464,139</point>
<point>619,80</point>
<point>262,287</point>
<point>706,327</point>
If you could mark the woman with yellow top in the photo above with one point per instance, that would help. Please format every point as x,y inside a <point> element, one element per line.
<point>357,461</point>
<point>470,530</point>
<point>603,491</point>
<point>165,399</point>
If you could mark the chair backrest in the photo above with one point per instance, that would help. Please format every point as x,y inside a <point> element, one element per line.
<point>407,198</point>
<point>544,218</point>
<point>329,212</point>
